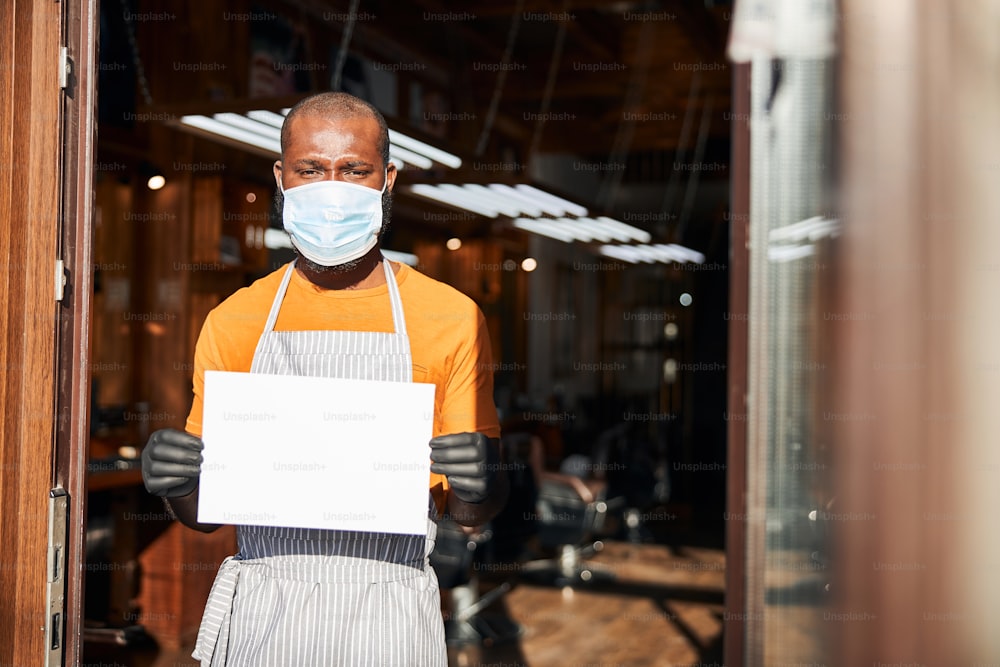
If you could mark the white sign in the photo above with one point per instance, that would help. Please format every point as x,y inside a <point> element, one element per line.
<point>309,452</point>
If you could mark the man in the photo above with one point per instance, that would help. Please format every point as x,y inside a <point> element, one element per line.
<point>319,597</point>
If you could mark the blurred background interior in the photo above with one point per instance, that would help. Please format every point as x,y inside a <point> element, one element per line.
<point>650,203</point>
<point>537,125</point>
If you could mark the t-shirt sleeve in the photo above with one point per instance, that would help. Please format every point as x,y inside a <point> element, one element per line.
<point>468,403</point>
<point>206,357</point>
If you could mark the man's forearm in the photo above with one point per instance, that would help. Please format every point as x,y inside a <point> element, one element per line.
<point>185,508</point>
<point>476,514</point>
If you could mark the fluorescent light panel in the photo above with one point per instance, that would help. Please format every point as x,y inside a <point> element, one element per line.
<point>634,233</point>
<point>612,232</point>
<point>578,229</point>
<point>459,200</point>
<point>544,228</point>
<point>621,252</point>
<point>789,253</point>
<point>494,200</point>
<point>521,200</point>
<point>650,254</point>
<point>467,200</point>
<point>598,230</point>
<point>811,229</point>
<point>262,128</point>
<point>550,203</point>
<point>582,231</point>
<point>213,126</point>
<point>244,123</point>
<point>267,117</point>
<point>690,255</point>
<point>528,206</point>
<point>661,252</point>
<point>409,157</point>
<point>426,150</point>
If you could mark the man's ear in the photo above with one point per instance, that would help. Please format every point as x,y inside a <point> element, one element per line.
<point>390,175</point>
<point>277,174</point>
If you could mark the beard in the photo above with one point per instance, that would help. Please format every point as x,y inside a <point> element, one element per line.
<point>346,267</point>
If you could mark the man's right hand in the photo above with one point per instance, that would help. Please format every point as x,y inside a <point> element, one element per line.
<point>171,463</point>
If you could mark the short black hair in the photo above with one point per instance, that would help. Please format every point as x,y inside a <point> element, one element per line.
<point>338,105</point>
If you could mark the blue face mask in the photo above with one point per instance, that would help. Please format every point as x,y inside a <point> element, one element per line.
<point>332,222</point>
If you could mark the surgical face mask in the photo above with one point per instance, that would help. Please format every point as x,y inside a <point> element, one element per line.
<point>332,222</point>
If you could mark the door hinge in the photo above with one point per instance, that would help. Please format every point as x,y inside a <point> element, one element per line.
<point>65,68</point>
<point>55,607</point>
<point>60,279</point>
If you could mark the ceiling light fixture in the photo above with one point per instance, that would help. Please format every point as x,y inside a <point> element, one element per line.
<point>216,129</point>
<point>528,206</point>
<point>544,228</point>
<point>549,203</point>
<point>260,129</point>
<point>495,200</point>
<point>567,221</point>
<point>517,201</point>
<point>634,233</point>
<point>409,157</point>
<point>250,125</point>
<point>810,229</point>
<point>420,148</point>
<point>778,254</point>
<point>610,232</point>
<point>663,253</point>
<point>154,178</point>
<point>267,117</point>
<point>458,200</point>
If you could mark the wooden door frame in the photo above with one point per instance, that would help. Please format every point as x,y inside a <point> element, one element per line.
<point>30,221</point>
<point>79,126</point>
<point>736,610</point>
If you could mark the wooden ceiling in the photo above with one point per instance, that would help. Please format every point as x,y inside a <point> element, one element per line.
<point>599,80</point>
<point>630,85</point>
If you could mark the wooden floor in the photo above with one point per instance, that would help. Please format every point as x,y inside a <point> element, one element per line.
<point>663,608</point>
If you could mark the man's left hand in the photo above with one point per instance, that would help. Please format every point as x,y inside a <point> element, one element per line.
<point>470,462</point>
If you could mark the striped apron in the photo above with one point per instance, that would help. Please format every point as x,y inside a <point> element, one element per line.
<point>301,597</point>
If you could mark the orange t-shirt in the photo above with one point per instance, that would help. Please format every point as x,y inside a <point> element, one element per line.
<point>449,342</point>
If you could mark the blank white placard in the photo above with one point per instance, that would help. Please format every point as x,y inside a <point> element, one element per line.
<point>309,452</point>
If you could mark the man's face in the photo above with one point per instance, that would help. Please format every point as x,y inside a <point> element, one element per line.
<point>323,149</point>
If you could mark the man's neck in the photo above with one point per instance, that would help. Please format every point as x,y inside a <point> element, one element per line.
<point>367,274</point>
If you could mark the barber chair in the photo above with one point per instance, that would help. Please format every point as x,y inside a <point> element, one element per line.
<point>452,560</point>
<point>570,517</point>
<point>637,480</point>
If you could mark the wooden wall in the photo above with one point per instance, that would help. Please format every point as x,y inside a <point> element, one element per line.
<point>161,272</point>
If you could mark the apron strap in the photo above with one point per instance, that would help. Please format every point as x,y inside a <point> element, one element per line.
<point>212,644</point>
<point>398,320</point>
<point>272,317</point>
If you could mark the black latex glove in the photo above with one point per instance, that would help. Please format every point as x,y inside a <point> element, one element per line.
<point>171,463</point>
<point>469,461</point>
